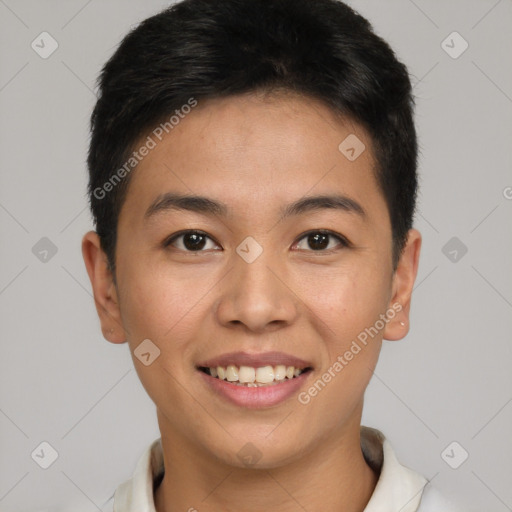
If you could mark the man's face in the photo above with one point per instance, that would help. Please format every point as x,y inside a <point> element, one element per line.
<point>254,280</point>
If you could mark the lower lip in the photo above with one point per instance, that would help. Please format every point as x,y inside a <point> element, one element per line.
<point>256,397</point>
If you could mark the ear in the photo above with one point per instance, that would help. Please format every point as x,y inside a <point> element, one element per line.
<point>104,289</point>
<point>403,282</point>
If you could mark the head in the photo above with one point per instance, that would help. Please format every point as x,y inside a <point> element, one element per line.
<point>252,106</point>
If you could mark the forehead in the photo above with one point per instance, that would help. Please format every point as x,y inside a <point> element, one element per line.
<point>253,150</point>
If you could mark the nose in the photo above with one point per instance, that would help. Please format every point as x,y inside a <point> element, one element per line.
<point>257,296</point>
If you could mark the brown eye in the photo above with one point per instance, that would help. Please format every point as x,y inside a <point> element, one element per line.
<point>320,240</point>
<point>189,241</point>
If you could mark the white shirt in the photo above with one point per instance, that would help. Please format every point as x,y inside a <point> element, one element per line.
<point>399,489</point>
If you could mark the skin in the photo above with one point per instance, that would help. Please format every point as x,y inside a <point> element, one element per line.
<point>256,154</point>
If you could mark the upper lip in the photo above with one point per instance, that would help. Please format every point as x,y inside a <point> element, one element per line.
<point>255,360</point>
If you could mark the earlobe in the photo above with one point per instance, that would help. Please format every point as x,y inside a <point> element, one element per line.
<point>403,283</point>
<point>104,289</point>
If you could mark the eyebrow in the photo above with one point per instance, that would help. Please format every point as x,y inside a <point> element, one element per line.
<point>199,204</point>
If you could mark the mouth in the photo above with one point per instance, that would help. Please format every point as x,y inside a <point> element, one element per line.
<point>255,377</point>
<point>255,380</point>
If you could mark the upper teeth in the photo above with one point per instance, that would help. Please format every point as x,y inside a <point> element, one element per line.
<point>248,374</point>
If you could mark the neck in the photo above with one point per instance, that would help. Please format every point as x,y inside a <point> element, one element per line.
<point>333,476</point>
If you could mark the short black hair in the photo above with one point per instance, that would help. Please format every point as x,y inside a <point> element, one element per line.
<point>198,49</point>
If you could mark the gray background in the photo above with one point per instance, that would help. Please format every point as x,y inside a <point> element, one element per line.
<point>448,381</point>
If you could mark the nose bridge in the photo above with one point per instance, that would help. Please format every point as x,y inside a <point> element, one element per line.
<point>256,277</point>
<point>256,295</point>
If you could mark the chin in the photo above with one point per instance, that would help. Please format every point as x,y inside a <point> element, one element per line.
<point>258,451</point>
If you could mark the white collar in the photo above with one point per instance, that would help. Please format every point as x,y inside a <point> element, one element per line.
<point>398,487</point>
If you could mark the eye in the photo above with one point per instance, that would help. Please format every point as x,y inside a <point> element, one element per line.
<point>318,240</point>
<point>192,241</point>
<point>197,241</point>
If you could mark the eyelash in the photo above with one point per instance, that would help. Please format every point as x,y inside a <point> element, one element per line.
<point>341,239</point>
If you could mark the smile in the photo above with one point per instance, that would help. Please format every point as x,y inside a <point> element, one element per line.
<point>249,376</point>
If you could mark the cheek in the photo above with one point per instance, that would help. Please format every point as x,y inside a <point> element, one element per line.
<point>350,305</point>
<point>155,305</point>
<point>168,307</point>
<point>349,301</point>
<point>164,310</point>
